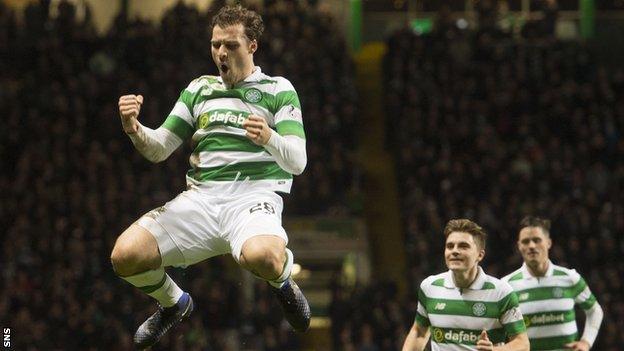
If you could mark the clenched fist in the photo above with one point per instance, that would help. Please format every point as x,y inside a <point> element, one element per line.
<point>257,129</point>
<point>129,108</point>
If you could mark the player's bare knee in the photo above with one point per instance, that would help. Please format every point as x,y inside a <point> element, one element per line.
<point>119,261</point>
<point>135,251</point>
<point>128,260</point>
<point>274,260</point>
<point>264,261</point>
<point>124,261</point>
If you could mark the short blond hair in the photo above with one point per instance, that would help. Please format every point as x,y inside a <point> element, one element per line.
<point>466,226</point>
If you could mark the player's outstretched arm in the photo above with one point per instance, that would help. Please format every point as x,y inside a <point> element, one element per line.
<point>154,145</point>
<point>417,338</point>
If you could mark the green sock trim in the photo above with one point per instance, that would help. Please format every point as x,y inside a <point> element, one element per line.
<point>151,288</point>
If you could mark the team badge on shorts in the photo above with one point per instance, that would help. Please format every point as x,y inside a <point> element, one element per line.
<point>478,309</point>
<point>253,95</point>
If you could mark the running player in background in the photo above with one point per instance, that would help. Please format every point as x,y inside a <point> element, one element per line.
<point>247,136</point>
<point>548,293</point>
<point>464,308</point>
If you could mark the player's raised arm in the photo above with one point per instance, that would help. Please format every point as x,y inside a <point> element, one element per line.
<point>154,145</point>
<point>129,109</point>
<point>417,338</point>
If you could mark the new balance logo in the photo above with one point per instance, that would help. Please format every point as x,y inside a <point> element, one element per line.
<point>439,306</point>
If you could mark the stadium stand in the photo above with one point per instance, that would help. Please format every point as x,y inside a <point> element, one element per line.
<point>71,181</point>
<point>484,124</point>
<point>490,126</point>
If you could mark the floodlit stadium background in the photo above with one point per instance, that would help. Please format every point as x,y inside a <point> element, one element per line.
<point>415,112</point>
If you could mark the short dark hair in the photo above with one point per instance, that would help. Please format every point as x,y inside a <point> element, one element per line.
<point>533,221</point>
<point>466,226</point>
<point>233,15</point>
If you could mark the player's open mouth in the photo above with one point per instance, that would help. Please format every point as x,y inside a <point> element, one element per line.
<point>224,68</point>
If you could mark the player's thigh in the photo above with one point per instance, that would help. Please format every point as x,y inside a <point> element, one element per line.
<point>261,242</point>
<point>254,222</point>
<point>186,229</point>
<point>135,251</point>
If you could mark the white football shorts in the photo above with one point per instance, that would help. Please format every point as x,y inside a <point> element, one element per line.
<point>201,223</point>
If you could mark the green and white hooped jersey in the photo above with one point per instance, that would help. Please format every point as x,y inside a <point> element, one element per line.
<point>547,304</point>
<point>457,316</point>
<point>212,116</point>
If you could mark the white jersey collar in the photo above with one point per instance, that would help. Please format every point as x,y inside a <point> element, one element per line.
<point>255,76</point>
<point>526,273</point>
<point>478,283</point>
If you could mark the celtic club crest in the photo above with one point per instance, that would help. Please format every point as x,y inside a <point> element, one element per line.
<point>253,95</point>
<point>478,309</point>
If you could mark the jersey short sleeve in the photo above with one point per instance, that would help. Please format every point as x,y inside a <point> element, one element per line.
<point>583,297</point>
<point>510,314</point>
<point>181,119</point>
<point>422,317</point>
<point>288,117</point>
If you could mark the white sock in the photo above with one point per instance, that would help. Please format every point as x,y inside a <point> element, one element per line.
<point>283,278</point>
<point>157,284</point>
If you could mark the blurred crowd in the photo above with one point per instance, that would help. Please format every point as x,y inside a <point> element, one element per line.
<point>71,180</point>
<point>369,318</point>
<point>491,125</point>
